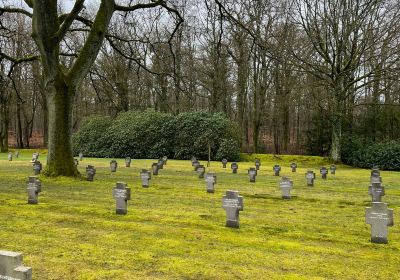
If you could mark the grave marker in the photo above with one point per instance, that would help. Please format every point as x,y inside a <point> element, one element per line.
<point>333,169</point>
<point>165,159</point>
<point>196,165</point>
<point>145,176</point>
<point>90,172</point>
<point>276,169</point>
<point>376,179</point>
<point>128,161</point>
<point>34,188</point>
<point>16,154</point>
<point>201,170</point>
<point>154,168</point>
<point>375,172</point>
<point>76,162</point>
<point>379,217</point>
<point>232,202</point>
<point>376,191</point>
<point>293,165</point>
<point>210,179</point>
<point>234,167</point>
<point>310,176</point>
<point>12,268</point>
<point>10,156</point>
<point>324,172</point>
<point>80,156</point>
<point>37,167</point>
<point>35,157</point>
<point>286,185</point>
<point>252,172</point>
<point>224,162</point>
<point>121,194</point>
<point>113,165</point>
<point>258,164</point>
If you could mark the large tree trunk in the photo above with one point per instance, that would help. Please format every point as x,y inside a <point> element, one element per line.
<point>336,131</point>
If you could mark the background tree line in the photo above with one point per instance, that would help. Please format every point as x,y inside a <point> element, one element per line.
<point>296,76</point>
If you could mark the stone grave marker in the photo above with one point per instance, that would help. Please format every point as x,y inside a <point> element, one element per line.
<point>215,176</point>
<point>210,179</point>
<point>286,186</point>
<point>37,167</point>
<point>128,161</point>
<point>258,163</point>
<point>196,165</point>
<point>234,167</point>
<point>324,172</point>
<point>276,169</point>
<point>12,268</point>
<point>252,172</point>
<point>145,176</point>
<point>80,156</point>
<point>90,172</point>
<point>16,154</point>
<point>121,194</point>
<point>379,217</point>
<point>376,179</point>
<point>232,202</point>
<point>201,170</point>
<point>310,176</point>
<point>76,162</point>
<point>154,168</point>
<point>376,191</point>
<point>35,157</point>
<point>293,165</point>
<point>165,159</point>
<point>224,162</point>
<point>34,188</point>
<point>10,156</point>
<point>113,165</point>
<point>375,172</point>
<point>333,169</point>
<point>160,163</point>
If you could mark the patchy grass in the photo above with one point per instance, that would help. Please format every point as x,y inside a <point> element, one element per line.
<point>175,230</point>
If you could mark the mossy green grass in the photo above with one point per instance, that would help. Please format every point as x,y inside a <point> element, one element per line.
<point>175,230</point>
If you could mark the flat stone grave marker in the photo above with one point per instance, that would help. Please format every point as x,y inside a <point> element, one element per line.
<point>324,172</point>
<point>379,217</point>
<point>201,170</point>
<point>113,165</point>
<point>333,169</point>
<point>10,156</point>
<point>90,172</point>
<point>80,156</point>
<point>286,186</point>
<point>121,194</point>
<point>34,188</point>
<point>37,167</point>
<point>293,165</point>
<point>310,176</point>
<point>196,165</point>
<point>276,169</point>
<point>76,162</point>
<point>128,161</point>
<point>16,154</point>
<point>210,179</point>
<point>154,168</point>
<point>232,202</point>
<point>145,176</point>
<point>35,157</point>
<point>234,167</point>
<point>160,163</point>
<point>224,162</point>
<point>252,172</point>
<point>376,191</point>
<point>12,268</point>
<point>257,164</point>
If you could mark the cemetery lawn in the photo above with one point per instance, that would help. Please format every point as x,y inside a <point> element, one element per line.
<point>175,230</point>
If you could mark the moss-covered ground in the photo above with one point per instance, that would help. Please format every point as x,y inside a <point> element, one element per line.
<point>175,230</point>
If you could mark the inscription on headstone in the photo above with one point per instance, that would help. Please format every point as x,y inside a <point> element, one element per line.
<point>128,161</point>
<point>234,167</point>
<point>34,188</point>
<point>90,172</point>
<point>224,162</point>
<point>145,176</point>
<point>286,185</point>
<point>121,194</point>
<point>376,191</point>
<point>210,179</point>
<point>37,167</point>
<point>12,268</point>
<point>293,165</point>
<point>379,217</point>
<point>324,172</point>
<point>310,176</point>
<point>252,172</point>
<point>113,165</point>
<point>232,202</point>
<point>276,169</point>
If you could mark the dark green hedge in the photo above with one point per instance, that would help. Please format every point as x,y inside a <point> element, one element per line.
<point>152,134</point>
<point>385,155</point>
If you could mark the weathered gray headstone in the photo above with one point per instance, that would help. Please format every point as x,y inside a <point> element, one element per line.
<point>375,172</point>
<point>224,162</point>
<point>34,188</point>
<point>10,156</point>
<point>121,194</point>
<point>232,202</point>
<point>379,217</point>
<point>165,159</point>
<point>145,176</point>
<point>80,156</point>
<point>234,167</point>
<point>16,154</point>
<point>276,169</point>
<point>210,179</point>
<point>258,164</point>
<point>252,172</point>
<point>293,165</point>
<point>376,191</point>
<point>154,168</point>
<point>310,176</point>
<point>35,157</point>
<point>201,170</point>
<point>90,172</point>
<point>333,169</point>
<point>37,167</point>
<point>128,161</point>
<point>160,163</point>
<point>324,172</point>
<point>286,185</point>
<point>215,176</point>
<point>196,165</point>
<point>113,165</point>
<point>12,268</point>
<point>376,179</point>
